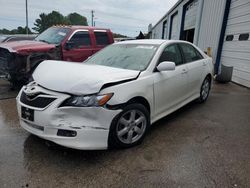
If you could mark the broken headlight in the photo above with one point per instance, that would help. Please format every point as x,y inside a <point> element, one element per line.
<point>88,100</point>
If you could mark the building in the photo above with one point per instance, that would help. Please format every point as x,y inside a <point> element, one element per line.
<point>221,25</point>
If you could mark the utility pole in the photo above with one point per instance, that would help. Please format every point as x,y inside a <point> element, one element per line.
<point>92,18</point>
<point>27,26</point>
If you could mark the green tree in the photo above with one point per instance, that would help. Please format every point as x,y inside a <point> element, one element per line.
<point>47,20</point>
<point>19,30</point>
<point>55,18</point>
<point>77,19</point>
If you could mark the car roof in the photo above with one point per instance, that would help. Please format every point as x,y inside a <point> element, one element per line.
<point>81,27</point>
<point>150,41</point>
<point>143,41</point>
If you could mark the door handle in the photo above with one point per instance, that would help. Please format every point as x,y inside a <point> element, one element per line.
<point>184,71</point>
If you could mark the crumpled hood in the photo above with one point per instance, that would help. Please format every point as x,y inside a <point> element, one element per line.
<point>27,46</point>
<point>78,78</point>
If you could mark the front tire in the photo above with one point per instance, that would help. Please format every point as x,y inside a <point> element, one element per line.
<point>129,127</point>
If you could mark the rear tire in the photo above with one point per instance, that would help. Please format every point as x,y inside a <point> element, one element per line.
<point>205,90</point>
<point>129,127</point>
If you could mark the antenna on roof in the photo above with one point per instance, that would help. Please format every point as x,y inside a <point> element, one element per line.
<point>92,18</point>
<point>27,26</point>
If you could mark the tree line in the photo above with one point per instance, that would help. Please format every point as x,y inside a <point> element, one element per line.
<point>47,20</point>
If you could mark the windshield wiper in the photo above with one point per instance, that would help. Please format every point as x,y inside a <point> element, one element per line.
<point>44,41</point>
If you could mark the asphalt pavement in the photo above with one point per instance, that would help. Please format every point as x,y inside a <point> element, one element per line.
<point>200,145</point>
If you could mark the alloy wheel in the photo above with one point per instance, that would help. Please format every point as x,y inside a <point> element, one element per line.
<point>131,126</point>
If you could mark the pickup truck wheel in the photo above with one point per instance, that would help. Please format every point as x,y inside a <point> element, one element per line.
<point>129,127</point>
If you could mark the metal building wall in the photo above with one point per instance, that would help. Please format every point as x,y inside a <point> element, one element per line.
<point>157,31</point>
<point>208,23</point>
<point>211,23</point>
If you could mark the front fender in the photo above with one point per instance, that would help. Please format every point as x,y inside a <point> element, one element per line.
<point>141,87</point>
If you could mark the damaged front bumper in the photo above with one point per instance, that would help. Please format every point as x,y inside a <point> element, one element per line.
<point>73,127</point>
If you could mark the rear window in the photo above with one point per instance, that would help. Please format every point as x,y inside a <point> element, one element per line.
<point>190,53</point>
<point>101,38</point>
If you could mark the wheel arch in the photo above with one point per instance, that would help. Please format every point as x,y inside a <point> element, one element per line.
<point>140,100</point>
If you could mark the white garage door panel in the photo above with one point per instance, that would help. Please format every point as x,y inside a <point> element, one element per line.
<point>241,81</point>
<point>239,20</point>
<point>239,11</point>
<point>238,28</point>
<point>236,63</point>
<point>242,73</point>
<point>242,46</point>
<point>237,53</point>
<point>238,74</point>
<point>190,22</point>
<point>175,30</point>
<point>238,3</point>
<point>190,17</point>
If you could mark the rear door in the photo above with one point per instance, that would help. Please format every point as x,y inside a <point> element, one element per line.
<point>195,67</point>
<point>80,46</point>
<point>101,39</point>
<point>170,87</point>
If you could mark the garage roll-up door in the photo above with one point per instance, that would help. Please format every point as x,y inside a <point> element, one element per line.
<point>174,31</point>
<point>189,18</point>
<point>190,15</point>
<point>236,47</point>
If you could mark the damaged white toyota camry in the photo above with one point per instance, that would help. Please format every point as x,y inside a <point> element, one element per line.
<point>112,98</point>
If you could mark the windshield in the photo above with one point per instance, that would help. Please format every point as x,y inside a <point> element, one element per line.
<point>125,56</point>
<point>53,35</point>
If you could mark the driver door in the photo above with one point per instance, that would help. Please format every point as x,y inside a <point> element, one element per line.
<point>170,87</point>
<point>79,47</point>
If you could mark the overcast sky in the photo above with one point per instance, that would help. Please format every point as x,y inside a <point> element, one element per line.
<point>122,16</point>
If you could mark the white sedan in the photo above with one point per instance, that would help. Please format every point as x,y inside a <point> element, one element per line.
<point>112,98</point>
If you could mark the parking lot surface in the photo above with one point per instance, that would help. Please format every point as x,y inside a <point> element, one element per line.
<point>200,145</point>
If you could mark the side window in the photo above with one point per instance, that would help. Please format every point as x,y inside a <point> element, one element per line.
<point>190,53</point>
<point>101,38</point>
<point>80,39</point>
<point>171,53</point>
<point>229,37</point>
<point>244,36</point>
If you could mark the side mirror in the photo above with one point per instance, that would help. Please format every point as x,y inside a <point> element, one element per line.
<point>68,45</point>
<point>166,66</point>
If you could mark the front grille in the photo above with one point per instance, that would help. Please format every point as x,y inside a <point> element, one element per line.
<point>36,101</point>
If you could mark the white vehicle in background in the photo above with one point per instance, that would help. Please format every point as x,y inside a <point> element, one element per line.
<point>112,98</point>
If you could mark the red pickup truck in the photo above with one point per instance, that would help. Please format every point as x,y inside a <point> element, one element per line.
<point>69,43</point>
